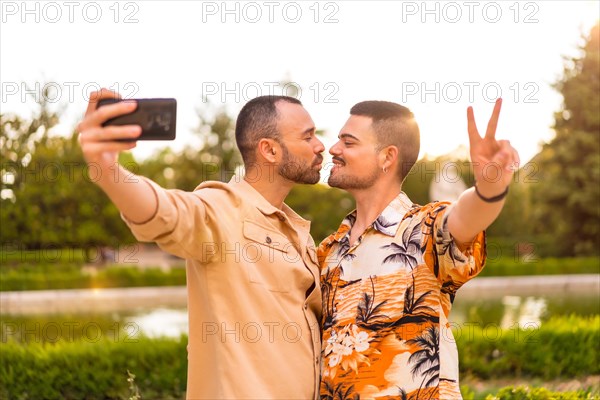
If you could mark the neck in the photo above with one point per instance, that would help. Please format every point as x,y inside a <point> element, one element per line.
<point>269,184</point>
<point>371,202</point>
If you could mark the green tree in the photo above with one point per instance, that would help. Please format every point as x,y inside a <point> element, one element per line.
<point>568,191</point>
<point>213,156</point>
<point>49,198</point>
<point>326,207</point>
<point>19,138</point>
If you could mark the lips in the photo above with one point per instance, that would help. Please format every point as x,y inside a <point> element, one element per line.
<point>318,162</point>
<point>338,162</point>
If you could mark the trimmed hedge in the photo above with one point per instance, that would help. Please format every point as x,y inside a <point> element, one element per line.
<point>84,370</point>
<point>529,393</point>
<point>111,277</point>
<point>506,266</point>
<point>562,348</point>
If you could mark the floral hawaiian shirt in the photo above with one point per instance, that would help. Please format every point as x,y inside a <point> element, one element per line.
<point>386,302</point>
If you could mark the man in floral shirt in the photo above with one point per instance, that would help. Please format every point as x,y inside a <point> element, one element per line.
<point>390,273</point>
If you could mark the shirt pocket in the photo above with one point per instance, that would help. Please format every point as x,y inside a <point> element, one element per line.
<point>268,257</point>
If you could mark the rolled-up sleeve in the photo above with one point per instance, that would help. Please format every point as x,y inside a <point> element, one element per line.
<point>453,264</point>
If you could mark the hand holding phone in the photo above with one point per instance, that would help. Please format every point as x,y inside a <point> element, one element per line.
<point>157,117</point>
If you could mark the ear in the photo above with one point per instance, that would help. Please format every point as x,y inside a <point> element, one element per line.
<point>388,157</point>
<point>268,149</point>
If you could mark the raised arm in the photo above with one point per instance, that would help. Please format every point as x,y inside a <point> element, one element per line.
<point>132,195</point>
<point>494,162</point>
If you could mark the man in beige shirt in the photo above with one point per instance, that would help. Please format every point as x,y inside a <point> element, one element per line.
<point>254,299</point>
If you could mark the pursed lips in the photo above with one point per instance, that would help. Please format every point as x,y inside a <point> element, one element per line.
<point>319,161</point>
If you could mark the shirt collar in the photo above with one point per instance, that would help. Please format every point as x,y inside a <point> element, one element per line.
<point>386,223</point>
<point>249,193</point>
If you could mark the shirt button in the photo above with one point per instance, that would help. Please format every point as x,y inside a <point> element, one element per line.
<point>281,218</point>
<point>317,360</point>
<point>268,240</point>
<point>306,306</point>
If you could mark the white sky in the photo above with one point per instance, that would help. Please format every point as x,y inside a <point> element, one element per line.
<point>436,63</point>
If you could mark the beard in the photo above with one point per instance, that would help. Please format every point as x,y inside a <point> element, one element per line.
<point>297,170</point>
<point>346,182</point>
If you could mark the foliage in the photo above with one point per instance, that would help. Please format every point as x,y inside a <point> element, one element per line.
<point>68,328</point>
<point>214,156</point>
<point>326,207</point>
<point>94,370</point>
<point>568,192</point>
<point>562,347</point>
<point>538,393</point>
<point>74,278</point>
<point>49,210</point>
<point>506,266</point>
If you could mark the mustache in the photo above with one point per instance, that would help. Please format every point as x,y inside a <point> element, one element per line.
<point>335,158</point>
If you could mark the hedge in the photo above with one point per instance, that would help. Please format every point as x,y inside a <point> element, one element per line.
<point>110,277</point>
<point>85,370</point>
<point>506,266</point>
<point>533,393</point>
<point>562,348</point>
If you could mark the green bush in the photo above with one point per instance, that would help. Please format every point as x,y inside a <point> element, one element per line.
<point>52,328</point>
<point>85,370</point>
<point>527,393</point>
<point>73,278</point>
<point>506,266</point>
<point>562,347</point>
<point>97,369</point>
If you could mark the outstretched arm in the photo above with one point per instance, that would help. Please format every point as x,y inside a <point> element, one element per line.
<point>494,162</point>
<point>132,195</point>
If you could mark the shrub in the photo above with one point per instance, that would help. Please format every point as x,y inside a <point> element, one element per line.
<point>562,347</point>
<point>94,370</point>
<point>527,393</point>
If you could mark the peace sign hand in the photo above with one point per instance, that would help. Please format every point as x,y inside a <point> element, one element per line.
<point>494,161</point>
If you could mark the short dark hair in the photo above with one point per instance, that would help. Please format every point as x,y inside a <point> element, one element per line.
<point>393,124</point>
<point>258,120</point>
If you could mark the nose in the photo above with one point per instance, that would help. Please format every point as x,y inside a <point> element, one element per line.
<point>320,147</point>
<point>335,149</point>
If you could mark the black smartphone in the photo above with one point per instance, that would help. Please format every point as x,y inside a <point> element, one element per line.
<point>157,118</point>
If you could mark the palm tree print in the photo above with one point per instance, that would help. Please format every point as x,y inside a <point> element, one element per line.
<point>409,251</point>
<point>382,225</point>
<point>344,247</point>
<point>450,288</point>
<point>338,392</point>
<point>426,361</point>
<point>412,306</point>
<point>448,244</point>
<point>402,393</point>
<point>414,311</point>
<point>367,310</point>
<point>328,289</point>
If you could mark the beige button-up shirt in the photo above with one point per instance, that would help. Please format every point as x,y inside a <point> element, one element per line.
<point>254,299</point>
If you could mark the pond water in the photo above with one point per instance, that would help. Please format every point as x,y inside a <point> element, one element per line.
<point>502,311</point>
